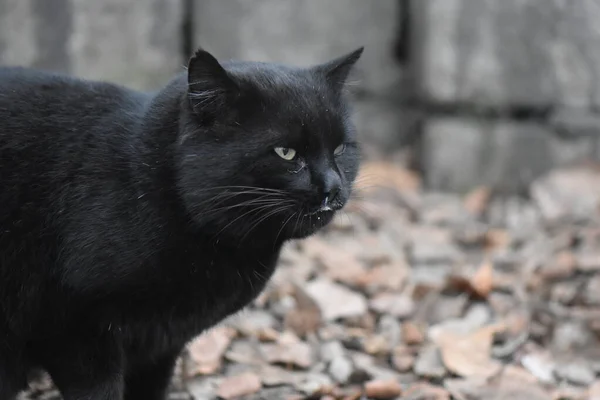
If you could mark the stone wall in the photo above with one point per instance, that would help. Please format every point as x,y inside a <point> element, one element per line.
<point>484,92</point>
<point>512,87</point>
<point>137,43</point>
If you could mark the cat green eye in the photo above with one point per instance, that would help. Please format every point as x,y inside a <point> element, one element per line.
<point>286,153</point>
<point>340,149</point>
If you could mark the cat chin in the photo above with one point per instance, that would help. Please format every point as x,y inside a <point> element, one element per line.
<point>311,224</point>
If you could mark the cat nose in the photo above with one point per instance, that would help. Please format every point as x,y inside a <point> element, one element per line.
<point>331,188</point>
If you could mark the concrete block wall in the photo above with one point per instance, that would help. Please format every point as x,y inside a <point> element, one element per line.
<point>137,43</point>
<point>484,92</point>
<point>513,88</point>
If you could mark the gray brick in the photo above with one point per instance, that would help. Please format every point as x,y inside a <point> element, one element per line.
<point>510,52</point>
<point>137,43</point>
<point>460,153</point>
<point>303,32</point>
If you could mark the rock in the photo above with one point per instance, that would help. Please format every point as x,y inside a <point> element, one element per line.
<point>429,363</point>
<point>540,365</point>
<point>313,383</point>
<point>577,373</point>
<point>332,350</point>
<point>336,301</point>
<point>341,369</point>
<point>203,388</point>
<point>389,389</point>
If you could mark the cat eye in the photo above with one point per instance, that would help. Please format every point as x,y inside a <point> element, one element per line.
<point>340,149</point>
<point>286,153</point>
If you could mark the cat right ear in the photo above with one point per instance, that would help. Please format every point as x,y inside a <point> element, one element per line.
<point>209,85</point>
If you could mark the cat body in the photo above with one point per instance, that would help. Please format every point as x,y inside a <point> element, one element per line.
<point>132,222</point>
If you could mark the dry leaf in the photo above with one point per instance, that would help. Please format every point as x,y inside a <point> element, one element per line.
<point>206,351</point>
<point>477,200</point>
<point>383,389</point>
<point>239,385</point>
<point>306,317</point>
<point>482,281</point>
<point>425,391</point>
<point>339,264</point>
<point>386,174</point>
<point>298,354</point>
<point>469,355</point>
<point>336,301</point>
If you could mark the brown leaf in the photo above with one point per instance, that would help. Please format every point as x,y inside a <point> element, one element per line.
<point>482,281</point>
<point>469,355</point>
<point>383,389</point>
<point>336,301</point>
<point>340,265</point>
<point>306,317</point>
<point>386,174</point>
<point>477,200</point>
<point>239,385</point>
<point>289,353</point>
<point>206,351</point>
<point>398,305</point>
<point>425,391</point>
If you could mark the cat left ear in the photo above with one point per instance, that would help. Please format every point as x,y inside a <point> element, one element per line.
<point>336,71</point>
<point>209,85</point>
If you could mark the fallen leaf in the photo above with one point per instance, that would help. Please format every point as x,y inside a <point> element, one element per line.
<point>298,354</point>
<point>340,265</point>
<point>335,301</point>
<point>482,281</point>
<point>306,317</point>
<point>240,385</point>
<point>206,351</point>
<point>469,355</point>
<point>387,175</point>
<point>426,391</point>
<point>380,389</point>
<point>398,305</point>
<point>477,200</point>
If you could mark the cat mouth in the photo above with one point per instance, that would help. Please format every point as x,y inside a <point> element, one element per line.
<point>323,210</point>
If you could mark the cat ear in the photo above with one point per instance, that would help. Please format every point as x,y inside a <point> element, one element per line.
<point>209,85</point>
<point>336,71</point>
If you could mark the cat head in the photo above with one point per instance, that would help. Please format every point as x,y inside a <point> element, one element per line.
<point>266,149</point>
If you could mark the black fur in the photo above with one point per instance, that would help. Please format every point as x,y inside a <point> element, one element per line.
<point>131,222</point>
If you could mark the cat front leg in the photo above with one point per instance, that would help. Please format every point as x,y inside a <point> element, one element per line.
<point>150,381</point>
<point>88,367</point>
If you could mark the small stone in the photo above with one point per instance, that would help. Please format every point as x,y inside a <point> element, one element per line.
<point>313,383</point>
<point>332,350</point>
<point>540,365</point>
<point>411,334</point>
<point>250,322</point>
<point>429,363</point>
<point>379,389</point>
<point>402,359</point>
<point>340,369</point>
<point>577,373</point>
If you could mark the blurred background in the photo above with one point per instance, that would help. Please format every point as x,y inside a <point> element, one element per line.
<point>468,265</point>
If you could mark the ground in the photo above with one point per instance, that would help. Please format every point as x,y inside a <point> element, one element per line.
<point>418,295</point>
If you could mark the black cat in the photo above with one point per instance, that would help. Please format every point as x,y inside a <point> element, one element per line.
<point>131,222</point>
